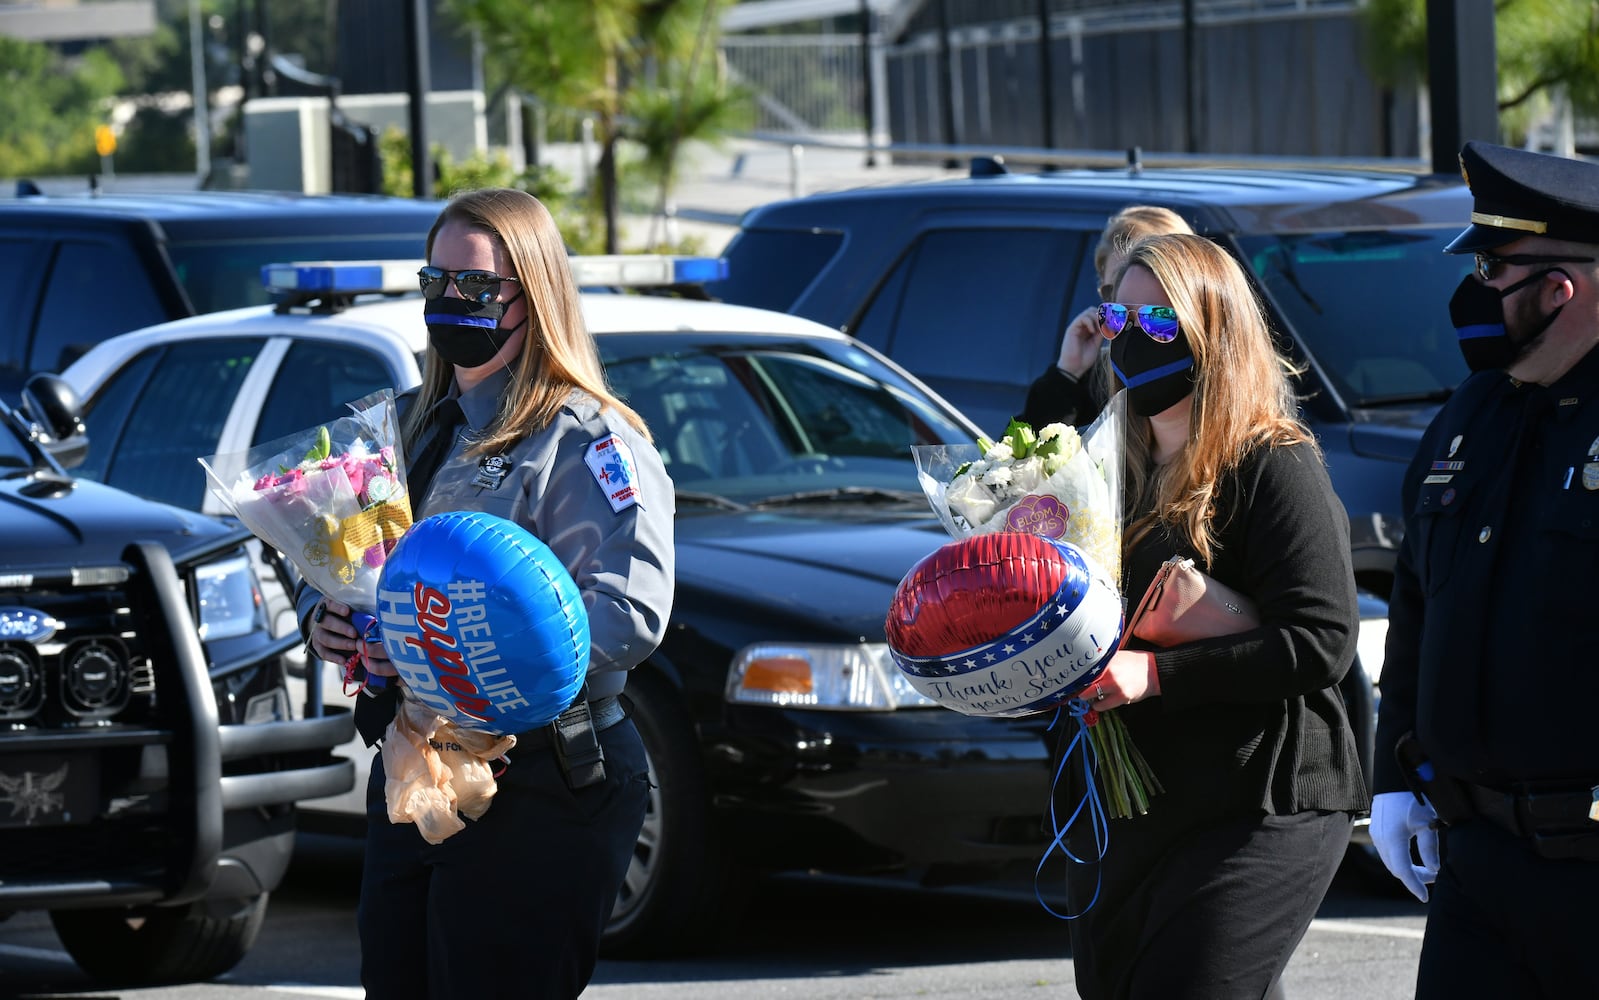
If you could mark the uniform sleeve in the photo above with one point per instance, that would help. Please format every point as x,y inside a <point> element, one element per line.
<point>1396,712</point>
<point>622,560</point>
<point>1292,559</point>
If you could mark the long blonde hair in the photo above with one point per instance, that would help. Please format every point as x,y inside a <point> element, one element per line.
<point>558,353</point>
<point>1130,225</point>
<point>1243,397</point>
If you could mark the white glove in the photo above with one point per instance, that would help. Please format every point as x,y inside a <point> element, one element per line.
<point>1396,819</point>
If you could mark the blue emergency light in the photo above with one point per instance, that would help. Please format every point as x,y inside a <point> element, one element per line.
<point>300,282</point>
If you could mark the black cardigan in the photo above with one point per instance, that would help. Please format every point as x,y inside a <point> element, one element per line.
<point>1254,722</point>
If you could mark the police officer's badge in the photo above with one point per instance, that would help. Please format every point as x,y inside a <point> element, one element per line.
<point>612,465</point>
<point>491,471</point>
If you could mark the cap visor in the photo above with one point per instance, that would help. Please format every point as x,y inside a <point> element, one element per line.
<point>1479,237</point>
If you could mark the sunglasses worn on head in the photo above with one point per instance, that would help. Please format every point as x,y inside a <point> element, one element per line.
<point>1159,322</point>
<point>1488,264</point>
<point>474,285</point>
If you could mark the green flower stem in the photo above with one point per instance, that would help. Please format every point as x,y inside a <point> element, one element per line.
<point>1125,778</point>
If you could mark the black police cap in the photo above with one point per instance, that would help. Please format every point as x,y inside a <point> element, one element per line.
<point>1517,193</point>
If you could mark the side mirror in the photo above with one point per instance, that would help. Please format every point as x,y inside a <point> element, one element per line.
<point>54,405</point>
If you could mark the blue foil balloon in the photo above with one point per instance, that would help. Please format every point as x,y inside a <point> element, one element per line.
<point>483,623</point>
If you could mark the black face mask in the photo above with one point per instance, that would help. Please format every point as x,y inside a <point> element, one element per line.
<point>1157,376</point>
<point>1478,312</point>
<point>467,333</point>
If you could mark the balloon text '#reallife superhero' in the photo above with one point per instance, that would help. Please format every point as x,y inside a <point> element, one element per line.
<point>441,641</point>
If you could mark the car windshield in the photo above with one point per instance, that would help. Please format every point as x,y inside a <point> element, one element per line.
<point>1372,307</point>
<point>767,421</point>
<point>226,274</point>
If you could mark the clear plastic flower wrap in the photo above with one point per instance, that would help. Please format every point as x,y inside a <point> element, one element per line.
<point>1054,482</point>
<point>332,498</point>
<point>1064,485</point>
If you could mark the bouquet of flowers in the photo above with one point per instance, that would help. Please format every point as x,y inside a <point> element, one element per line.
<point>1066,486</point>
<point>332,499</point>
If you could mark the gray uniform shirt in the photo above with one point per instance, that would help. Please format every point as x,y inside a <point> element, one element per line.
<point>595,491</point>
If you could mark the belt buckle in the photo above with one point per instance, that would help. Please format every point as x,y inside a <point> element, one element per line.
<point>1593,805</point>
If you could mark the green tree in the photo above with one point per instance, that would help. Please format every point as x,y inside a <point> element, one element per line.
<point>49,107</point>
<point>1542,46</point>
<point>601,58</point>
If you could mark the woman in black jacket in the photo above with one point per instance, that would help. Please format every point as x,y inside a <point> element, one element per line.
<point>1208,893</point>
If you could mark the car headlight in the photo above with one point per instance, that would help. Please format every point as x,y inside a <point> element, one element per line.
<point>229,598</point>
<point>854,677</point>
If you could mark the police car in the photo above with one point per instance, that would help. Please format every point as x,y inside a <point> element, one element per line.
<point>780,735</point>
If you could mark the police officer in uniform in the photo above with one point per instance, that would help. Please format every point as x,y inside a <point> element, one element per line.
<point>1488,752</point>
<point>514,418</point>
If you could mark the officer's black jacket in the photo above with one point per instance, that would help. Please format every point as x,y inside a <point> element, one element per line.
<point>1491,654</point>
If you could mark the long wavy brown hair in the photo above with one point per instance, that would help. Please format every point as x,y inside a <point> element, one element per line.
<point>558,353</point>
<point>1243,398</point>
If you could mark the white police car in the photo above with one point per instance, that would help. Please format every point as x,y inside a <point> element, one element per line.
<point>780,735</point>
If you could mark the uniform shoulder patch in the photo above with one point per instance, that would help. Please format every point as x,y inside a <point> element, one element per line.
<point>612,465</point>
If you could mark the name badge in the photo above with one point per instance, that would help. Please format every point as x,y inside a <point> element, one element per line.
<point>491,472</point>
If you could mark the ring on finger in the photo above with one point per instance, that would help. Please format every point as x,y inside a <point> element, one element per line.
<point>1099,693</point>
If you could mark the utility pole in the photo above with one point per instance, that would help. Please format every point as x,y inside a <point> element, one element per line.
<point>946,86</point>
<point>1462,78</point>
<point>868,96</point>
<point>202,109</point>
<point>418,85</point>
<point>1046,75</point>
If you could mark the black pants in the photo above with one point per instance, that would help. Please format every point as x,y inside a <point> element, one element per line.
<point>1503,922</point>
<point>513,905</point>
<point>1211,913</point>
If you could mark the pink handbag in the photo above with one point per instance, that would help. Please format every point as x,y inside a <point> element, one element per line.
<point>1183,604</point>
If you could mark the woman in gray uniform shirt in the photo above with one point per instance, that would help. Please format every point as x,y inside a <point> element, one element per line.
<point>514,414</point>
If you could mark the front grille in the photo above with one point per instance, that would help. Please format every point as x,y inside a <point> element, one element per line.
<point>94,669</point>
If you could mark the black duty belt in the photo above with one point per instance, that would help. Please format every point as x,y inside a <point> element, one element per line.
<point>605,712</point>
<point>1560,824</point>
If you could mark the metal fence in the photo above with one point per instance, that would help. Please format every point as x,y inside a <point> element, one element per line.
<point>1279,77</point>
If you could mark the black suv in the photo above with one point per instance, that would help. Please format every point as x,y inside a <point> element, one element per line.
<point>969,282</point>
<point>150,758</point>
<point>75,270</point>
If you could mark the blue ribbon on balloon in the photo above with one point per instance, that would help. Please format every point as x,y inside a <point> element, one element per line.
<point>1088,807</point>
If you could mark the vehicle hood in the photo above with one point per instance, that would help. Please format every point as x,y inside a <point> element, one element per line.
<point>1391,433</point>
<point>48,521</point>
<point>838,565</point>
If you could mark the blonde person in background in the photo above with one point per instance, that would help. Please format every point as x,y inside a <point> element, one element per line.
<point>1067,393</point>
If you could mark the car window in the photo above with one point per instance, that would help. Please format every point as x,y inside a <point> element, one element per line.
<point>93,290</point>
<point>19,291</point>
<point>155,455</point>
<point>775,266</point>
<point>1324,285</point>
<point>315,381</point>
<point>752,422</point>
<point>976,304</point>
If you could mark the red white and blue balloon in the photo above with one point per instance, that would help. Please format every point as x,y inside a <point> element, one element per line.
<point>1004,624</point>
<point>483,623</point>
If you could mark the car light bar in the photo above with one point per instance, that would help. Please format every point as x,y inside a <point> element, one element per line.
<point>343,277</point>
<point>642,270</point>
<point>305,279</point>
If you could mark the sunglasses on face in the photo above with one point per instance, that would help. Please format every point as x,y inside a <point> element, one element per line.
<point>1488,264</point>
<point>474,285</point>
<point>1159,322</point>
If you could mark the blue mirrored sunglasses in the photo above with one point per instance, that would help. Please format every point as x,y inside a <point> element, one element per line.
<point>1159,322</point>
